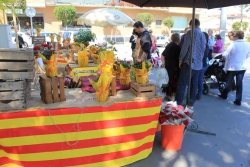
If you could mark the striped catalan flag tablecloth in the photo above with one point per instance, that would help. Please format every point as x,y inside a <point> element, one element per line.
<point>97,136</point>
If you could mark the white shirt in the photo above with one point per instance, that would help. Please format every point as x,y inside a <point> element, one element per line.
<point>236,55</point>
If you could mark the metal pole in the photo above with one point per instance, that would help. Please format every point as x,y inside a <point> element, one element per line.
<point>31,26</point>
<point>223,24</point>
<point>189,101</point>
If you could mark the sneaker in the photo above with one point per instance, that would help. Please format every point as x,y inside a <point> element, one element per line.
<point>220,95</point>
<point>236,102</point>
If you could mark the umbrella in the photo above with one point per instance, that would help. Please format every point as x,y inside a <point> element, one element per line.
<point>105,17</point>
<point>209,4</point>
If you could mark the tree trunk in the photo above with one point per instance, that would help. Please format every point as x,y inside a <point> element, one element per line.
<point>15,26</point>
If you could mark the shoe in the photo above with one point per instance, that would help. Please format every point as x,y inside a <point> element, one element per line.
<point>236,102</point>
<point>219,95</point>
<point>198,97</point>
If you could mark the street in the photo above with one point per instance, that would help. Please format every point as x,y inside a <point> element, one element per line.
<point>229,148</point>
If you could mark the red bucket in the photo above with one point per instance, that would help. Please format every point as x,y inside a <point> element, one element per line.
<point>172,136</point>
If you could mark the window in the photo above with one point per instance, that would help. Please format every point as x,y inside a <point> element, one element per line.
<point>180,22</point>
<point>158,23</point>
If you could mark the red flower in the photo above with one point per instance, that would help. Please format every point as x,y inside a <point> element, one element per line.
<point>188,114</point>
<point>186,122</point>
<point>45,45</point>
<point>36,48</point>
<point>176,117</point>
<point>180,115</point>
<point>180,107</point>
<point>162,120</point>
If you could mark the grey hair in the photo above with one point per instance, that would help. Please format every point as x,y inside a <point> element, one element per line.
<point>210,29</point>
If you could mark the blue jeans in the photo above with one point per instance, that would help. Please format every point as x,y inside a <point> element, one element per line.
<point>239,86</point>
<point>183,83</point>
<point>200,80</point>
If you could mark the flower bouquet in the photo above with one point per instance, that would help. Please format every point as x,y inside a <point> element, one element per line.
<point>107,61</point>
<point>173,119</point>
<point>125,72</point>
<point>94,53</point>
<point>101,85</point>
<point>83,59</point>
<point>141,69</point>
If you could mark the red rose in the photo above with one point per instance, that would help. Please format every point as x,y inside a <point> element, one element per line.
<point>36,48</point>
<point>45,45</point>
<point>186,122</point>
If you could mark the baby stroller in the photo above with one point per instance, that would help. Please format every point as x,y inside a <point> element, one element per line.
<point>156,59</point>
<point>215,75</point>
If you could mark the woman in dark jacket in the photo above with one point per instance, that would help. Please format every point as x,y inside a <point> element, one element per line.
<point>170,60</point>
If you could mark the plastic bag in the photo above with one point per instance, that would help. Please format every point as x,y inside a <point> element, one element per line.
<point>162,78</point>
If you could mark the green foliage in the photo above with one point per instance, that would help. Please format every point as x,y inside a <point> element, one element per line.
<point>145,18</point>
<point>117,9</point>
<point>17,4</point>
<point>65,13</point>
<point>245,25</point>
<point>169,22</point>
<point>37,26</point>
<point>83,37</point>
<point>248,38</point>
<point>126,64</point>
<point>236,26</point>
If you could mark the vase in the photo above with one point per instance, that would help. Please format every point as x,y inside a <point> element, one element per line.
<point>102,96</point>
<point>52,39</point>
<point>172,136</point>
<point>38,31</point>
<point>83,59</point>
<point>51,69</point>
<point>141,77</point>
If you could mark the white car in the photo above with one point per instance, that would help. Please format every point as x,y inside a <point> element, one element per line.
<point>27,39</point>
<point>162,40</point>
<point>47,34</point>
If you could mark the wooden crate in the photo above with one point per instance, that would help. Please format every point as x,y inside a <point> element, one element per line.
<point>52,89</point>
<point>143,90</point>
<point>14,95</point>
<point>16,64</point>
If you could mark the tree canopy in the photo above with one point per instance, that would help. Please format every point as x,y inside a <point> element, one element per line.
<point>13,5</point>
<point>145,18</point>
<point>169,22</point>
<point>65,13</point>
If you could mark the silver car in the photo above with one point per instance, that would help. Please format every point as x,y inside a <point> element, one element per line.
<point>162,40</point>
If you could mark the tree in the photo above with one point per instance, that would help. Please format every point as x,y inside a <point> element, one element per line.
<point>13,5</point>
<point>65,13</point>
<point>169,23</point>
<point>242,8</point>
<point>145,18</point>
<point>245,25</point>
<point>236,26</point>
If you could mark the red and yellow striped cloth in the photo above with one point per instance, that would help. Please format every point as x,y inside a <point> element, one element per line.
<point>73,137</point>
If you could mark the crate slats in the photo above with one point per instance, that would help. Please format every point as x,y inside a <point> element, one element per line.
<point>50,93</point>
<point>12,95</point>
<point>143,90</point>
<point>17,65</point>
<point>16,54</point>
<point>7,75</point>
<point>13,105</point>
<point>18,85</point>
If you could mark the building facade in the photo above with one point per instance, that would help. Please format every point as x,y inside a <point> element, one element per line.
<point>45,16</point>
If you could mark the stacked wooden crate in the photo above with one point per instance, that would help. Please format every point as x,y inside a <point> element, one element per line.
<point>16,75</point>
<point>143,90</point>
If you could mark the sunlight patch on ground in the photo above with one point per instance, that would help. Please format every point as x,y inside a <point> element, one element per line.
<point>226,157</point>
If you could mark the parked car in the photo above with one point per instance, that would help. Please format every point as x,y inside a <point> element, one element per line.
<point>47,34</point>
<point>162,40</point>
<point>26,37</point>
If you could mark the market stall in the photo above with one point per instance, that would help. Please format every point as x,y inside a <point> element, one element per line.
<point>61,125</point>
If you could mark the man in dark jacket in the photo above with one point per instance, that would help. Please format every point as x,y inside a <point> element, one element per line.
<point>145,40</point>
<point>20,40</point>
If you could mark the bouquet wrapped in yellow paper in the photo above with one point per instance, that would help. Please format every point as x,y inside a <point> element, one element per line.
<point>125,73</point>
<point>93,49</point>
<point>96,58</point>
<point>101,85</point>
<point>51,68</point>
<point>141,69</point>
<point>107,56</point>
<point>83,59</point>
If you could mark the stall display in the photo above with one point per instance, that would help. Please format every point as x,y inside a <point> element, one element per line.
<point>125,67</point>
<point>141,69</point>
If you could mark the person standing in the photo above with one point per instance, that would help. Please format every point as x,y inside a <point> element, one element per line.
<point>203,70</point>
<point>236,56</point>
<point>218,46</point>
<point>21,41</point>
<point>145,41</point>
<point>154,41</point>
<point>183,36</point>
<point>211,42</point>
<point>199,45</point>
<point>170,60</point>
<point>132,40</point>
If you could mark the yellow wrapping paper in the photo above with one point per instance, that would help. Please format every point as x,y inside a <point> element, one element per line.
<point>142,74</point>
<point>102,86</point>
<point>51,69</point>
<point>96,58</point>
<point>93,50</point>
<point>107,56</point>
<point>124,75</point>
<point>83,59</point>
